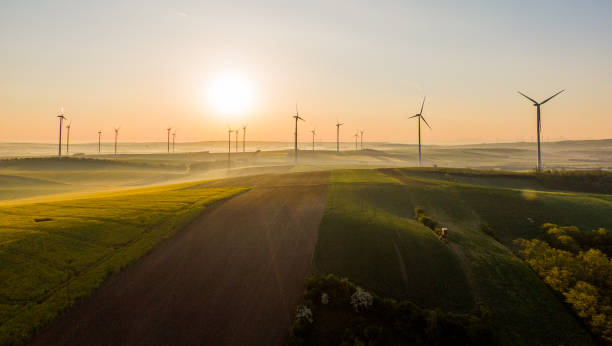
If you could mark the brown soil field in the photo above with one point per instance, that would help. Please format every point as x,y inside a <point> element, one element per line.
<point>234,276</point>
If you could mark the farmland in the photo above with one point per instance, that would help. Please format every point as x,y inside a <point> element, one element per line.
<point>69,226</point>
<point>144,164</point>
<point>57,252</point>
<point>368,234</point>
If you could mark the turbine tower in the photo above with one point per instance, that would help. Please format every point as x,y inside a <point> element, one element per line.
<point>361,139</point>
<point>68,137</point>
<point>297,117</point>
<point>420,117</point>
<point>539,123</point>
<point>244,138</point>
<point>313,136</point>
<point>236,133</point>
<point>116,135</point>
<point>338,136</point>
<point>99,137</point>
<point>229,144</point>
<point>356,137</point>
<point>169,129</point>
<point>61,121</point>
<point>173,139</point>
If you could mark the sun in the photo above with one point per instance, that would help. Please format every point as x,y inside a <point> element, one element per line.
<point>230,94</point>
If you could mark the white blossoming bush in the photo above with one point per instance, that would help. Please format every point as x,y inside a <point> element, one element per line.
<point>304,313</point>
<point>361,299</point>
<point>324,298</point>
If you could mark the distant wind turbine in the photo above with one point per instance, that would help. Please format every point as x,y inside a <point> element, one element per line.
<point>356,137</point>
<point>244,138</point>
<point>420,117</point>
<point>99,138</point>
<point>68,137</point>
<point>169,129</point>
<point>173,139</point>
<point>229,144</point>
<point>338,136</point>
<point>297,117</point>
<point>61,121</point>
<point>236,136</point>
<point>313,137</point>
<point>116,135</point>
<point>361,139</point>
<point>539,123</point>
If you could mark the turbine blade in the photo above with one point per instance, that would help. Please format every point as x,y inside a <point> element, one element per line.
<point>422,105</point>
<point>425,122</point>
<point>529,98</point>
<point>548,99</point>
<point>414,116</point>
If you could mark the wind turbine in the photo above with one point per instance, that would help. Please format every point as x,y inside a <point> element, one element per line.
<point>99,137</point>
<point>229,144</point>
<point>297,117</point>
<point>169,129</point>
<point>116,135</point>
<point>61,121</point>
<point>539,124</point>
<point>68,137</point>
<point>361,139</point>
<point>356,136</point>
<point>338,136</point>
<point>173,139</point>
<point>236,133</point>
<point>420,117</point>
<point>313,136</point>
<point>244,138</point>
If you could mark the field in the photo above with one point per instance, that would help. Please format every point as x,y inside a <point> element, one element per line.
<point>29,170</point>
<point>68,226</point>
<point>368,234</point>
<point>233,276</point>
<point>56,252</point>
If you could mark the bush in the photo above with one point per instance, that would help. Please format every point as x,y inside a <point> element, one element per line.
<point>582,276</point>
<point>571,238</point>
<point>380,321</point>
<point>425,220</point>
<point>486,229</point>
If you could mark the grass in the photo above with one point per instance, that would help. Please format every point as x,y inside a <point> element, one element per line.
<point>368,234</point>
<point>54,253</point>
<point>365,238</point>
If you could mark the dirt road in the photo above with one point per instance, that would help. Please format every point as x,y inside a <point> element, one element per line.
<point>232,277</point>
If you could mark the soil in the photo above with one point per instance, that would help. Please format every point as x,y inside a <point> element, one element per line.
<point>234,276</point>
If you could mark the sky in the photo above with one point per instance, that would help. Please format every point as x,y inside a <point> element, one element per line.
<point>149,65</point>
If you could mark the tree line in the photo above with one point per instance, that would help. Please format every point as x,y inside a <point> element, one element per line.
<point>577,266</point>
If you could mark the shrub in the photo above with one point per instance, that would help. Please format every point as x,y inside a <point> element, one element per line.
<point>361,299</point>
<point>384,322</point>
<point>486,229</point>
<point>582,277</point>
<point>425,220</point>
<point>571,238</point>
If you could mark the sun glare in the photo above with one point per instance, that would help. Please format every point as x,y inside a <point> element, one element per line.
<point>230,94</point>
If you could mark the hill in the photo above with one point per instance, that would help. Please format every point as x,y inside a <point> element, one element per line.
<point>368,234</point>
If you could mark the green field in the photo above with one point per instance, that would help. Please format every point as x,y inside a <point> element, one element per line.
<point>83,220</point>
<point>368,234</point>
<point>55,252</point>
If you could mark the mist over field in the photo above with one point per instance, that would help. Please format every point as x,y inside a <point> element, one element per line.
<point>590,154</point>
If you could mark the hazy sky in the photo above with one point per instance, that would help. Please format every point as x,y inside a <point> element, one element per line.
<point>146,65</point>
